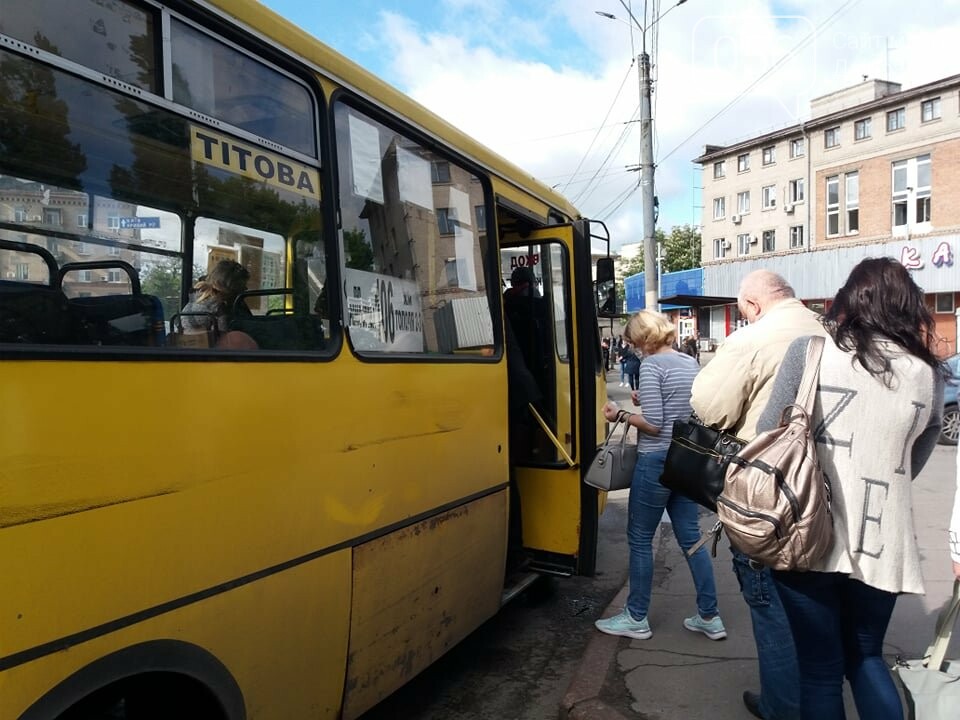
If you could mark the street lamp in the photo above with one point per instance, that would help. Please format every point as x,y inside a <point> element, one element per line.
<point>650,274</point>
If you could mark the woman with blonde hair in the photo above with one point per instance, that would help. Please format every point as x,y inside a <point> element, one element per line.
<point>215,295</point>
<point>666,377</point>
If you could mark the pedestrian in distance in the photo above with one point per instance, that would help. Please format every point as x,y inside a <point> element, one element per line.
<point>877,362</point>
<point>663,396</point>
<point>622,353</point>
<point>730,393</point>
<point>632,364</point>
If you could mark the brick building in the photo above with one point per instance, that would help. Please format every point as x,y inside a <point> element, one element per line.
<point>875,171</point>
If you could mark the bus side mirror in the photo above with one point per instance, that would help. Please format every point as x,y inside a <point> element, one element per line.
<point>606,288</point>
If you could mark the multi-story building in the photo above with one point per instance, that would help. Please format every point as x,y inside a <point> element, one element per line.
<point>874,172</point>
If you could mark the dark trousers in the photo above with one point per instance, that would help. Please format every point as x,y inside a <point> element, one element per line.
<point>776,656</point>
<point>838,627</point>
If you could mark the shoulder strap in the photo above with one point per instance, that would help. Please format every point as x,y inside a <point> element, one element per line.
<point>811,374</point>
<point>945,622</point>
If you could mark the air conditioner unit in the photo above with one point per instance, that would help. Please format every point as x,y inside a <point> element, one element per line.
<point>788,208</point>
<point>726,244</point>
<point>736,219</point>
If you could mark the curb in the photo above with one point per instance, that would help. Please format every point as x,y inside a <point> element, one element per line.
<point>581,701</point>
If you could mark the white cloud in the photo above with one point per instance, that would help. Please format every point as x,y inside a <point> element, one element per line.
<point>543,115</point>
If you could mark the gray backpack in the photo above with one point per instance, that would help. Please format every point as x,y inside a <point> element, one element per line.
<point>775,504</point>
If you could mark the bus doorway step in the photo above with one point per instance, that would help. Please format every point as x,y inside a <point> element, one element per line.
<point>516,584</point>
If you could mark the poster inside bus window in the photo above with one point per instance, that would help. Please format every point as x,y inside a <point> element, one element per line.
<point>383,312</point>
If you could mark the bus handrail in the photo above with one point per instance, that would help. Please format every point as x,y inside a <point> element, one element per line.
<point>553,438</point>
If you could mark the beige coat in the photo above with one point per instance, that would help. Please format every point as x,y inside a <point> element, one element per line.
<point>732,389</point>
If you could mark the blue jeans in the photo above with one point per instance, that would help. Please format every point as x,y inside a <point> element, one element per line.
<point>623,371</point>
<point>648,499</point>
<point>838,628</point>
<point>779,688</point>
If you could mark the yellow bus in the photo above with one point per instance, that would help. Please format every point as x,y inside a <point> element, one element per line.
<point>284,499</point>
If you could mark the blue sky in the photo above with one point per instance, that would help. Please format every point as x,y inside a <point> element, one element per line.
<point>536,79</point>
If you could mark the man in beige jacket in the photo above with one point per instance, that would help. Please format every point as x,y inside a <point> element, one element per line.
<point>731,392</point>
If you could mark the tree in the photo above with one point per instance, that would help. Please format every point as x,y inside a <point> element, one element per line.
<point>358,250</point>
<point>680,249</point>
<point>162,280</point>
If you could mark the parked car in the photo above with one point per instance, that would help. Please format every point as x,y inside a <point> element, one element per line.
<point>950,428</point>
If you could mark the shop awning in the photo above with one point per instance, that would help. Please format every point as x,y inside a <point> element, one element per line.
<point>697,301</point>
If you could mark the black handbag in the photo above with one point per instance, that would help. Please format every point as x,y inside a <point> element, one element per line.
<point>697,460</point>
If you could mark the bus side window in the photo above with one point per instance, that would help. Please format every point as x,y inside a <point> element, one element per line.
<point>413,244</point>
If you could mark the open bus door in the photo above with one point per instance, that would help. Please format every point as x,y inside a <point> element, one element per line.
<point>554,372</point>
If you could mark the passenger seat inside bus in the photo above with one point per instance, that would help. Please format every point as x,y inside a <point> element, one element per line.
<point>280,328</point>
<point>32,313</point>
<point>123,319</point>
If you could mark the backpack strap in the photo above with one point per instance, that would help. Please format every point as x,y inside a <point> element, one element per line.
<point>811,374</point>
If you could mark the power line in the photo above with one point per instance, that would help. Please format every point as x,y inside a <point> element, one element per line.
<point>624,133</point>
<point>573,132</point>
<point>799,46</point>
<point>625,196</point>
<point>604,121</point>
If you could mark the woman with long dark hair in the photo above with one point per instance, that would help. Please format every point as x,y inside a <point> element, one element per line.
<point>876,421</point>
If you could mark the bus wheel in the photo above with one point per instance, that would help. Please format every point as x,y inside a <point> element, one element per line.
<point>152,696</point>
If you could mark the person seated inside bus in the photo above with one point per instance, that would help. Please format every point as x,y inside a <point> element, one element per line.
<point>214,296</point>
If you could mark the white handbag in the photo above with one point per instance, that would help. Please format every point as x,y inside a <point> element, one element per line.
<point>612,467</point>
<point>932,684</point>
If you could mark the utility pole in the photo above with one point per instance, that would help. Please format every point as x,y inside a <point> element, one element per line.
<point>651,277</point>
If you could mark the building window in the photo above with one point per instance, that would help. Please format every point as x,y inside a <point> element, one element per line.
<point>896,119</point>
<point>743,162</point>
<point>447,220</point>
<point>82,220</point>
<point>22,271</point>
<point>719,208</point>
<point>113,250</point>
<point>481,212</point>
<point>862,129</point>
<point>719,170</point>
<point>768,196</point>
<point>743,244</point>
<point>743,202</point>
<point>439,171</point>
<point>851,197</point>
<point>51,216</point>
<point>795,190</point>
<point>944,302</point>
<point>796,236</point>
<point>911,181</point>
<point>831,137</point>
<point>930,110</point>
<point>769,155</point>
<point>719,248</point>
<point>833,205</point>
<point>797,148</point>
<point>85,275</point>
<point>769,240</point>
<point>81,247</point>
<point>113,222</point>
<point>114,276</point>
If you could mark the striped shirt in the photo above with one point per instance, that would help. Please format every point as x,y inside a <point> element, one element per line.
<point>664,394</point>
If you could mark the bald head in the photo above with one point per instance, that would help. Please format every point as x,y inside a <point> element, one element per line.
<point>759,291</point>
